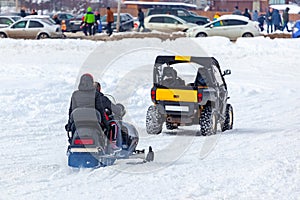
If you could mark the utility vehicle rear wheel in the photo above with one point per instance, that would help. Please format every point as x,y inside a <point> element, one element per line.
<point>154,121</point>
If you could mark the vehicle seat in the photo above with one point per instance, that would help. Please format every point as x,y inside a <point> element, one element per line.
<point>83,117</point>
<point>169,77</point>
<point>86,122</point>
<point>200,81</point>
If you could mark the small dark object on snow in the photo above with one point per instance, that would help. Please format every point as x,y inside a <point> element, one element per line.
<point>150,155</point>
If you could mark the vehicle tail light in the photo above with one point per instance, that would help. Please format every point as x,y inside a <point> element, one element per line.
<point>153,94</point>
<point>84,141</point>
<point>135,25</point>
<point>199,96</point>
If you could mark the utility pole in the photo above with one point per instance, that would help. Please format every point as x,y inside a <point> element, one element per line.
<point>42,6</point>
<point>118,17</point>
<point>17,5</point>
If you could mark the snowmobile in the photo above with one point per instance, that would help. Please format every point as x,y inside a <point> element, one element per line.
<point>89,145</point>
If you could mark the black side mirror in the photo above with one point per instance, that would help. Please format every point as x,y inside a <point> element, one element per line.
<point>226,72</point>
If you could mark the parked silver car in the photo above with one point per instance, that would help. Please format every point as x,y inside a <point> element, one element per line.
<point>45,18</point>
<point>5,21</point>
<point>32,29</point>
<point>167,23</point>
<point>231,26</point>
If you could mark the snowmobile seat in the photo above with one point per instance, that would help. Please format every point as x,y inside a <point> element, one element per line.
<point>86,123</point>
<point>86,117</point>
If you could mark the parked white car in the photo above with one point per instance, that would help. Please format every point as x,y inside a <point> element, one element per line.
<point>5,21</point>
<point>32,29</point>
<point>166,23</point>
<point>231,26</point>
<point>43,17</point>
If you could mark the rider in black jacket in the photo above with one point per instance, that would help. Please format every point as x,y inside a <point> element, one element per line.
<point>87,96</point>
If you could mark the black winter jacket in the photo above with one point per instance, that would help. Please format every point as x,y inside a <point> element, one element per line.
<point>141,16</point>
<point>84,97</point>
<point>285,15</point>
<point>87,97</point>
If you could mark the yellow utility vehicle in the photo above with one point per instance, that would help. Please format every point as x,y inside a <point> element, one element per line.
<point>188,91</point>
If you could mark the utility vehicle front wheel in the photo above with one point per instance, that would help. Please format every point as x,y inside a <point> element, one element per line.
<point>208,121</point>
<point>228,123</point>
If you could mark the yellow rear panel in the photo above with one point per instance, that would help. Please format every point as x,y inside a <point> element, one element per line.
<point>176,95</point>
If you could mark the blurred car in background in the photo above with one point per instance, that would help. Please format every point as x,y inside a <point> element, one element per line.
<point>5,21</point>
<point>188,16</point>
<point>167,23</point>
<point>231,26</point>
<point>64,16</point>
<point>296,30</point>
<point>31,29</point>
<point>126,22</point>
<point>75,23</point>
<point>45,18</point>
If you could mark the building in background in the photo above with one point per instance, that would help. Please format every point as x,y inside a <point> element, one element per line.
<point>228,5</point>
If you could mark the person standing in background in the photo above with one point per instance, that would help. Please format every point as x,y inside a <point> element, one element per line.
<point>141,19</point>
<point>269,20</point>
<point>261,21</point>
<point>109,20</point>
<point>33,12</point>
<point>276,20</point>
<point>22,12</point>
<point>236,11</point>
<point>216,16</point>
<point>286,19</point>
<point>89,20</point>
<point>55,18</point>
<point>255,16</point>
<point>247,14</point>
<point>98,22</point>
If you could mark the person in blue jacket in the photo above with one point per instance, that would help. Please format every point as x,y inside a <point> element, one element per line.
<point>269,20</point>
<point>276,20</point>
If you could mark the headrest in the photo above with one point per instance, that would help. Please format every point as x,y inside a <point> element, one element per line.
<point>169,72</point>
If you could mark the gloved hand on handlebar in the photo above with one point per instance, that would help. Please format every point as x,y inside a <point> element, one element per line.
<point>67,127</point>
<point>121,108</point>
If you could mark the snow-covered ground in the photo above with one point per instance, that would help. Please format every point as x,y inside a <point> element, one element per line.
<point>258,159</point>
